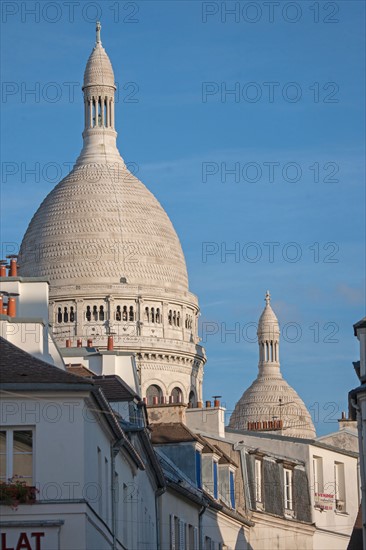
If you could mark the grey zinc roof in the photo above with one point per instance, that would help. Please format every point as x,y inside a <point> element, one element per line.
<point>19,367</point>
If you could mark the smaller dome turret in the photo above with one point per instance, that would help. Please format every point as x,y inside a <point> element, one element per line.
<point>270,398</point>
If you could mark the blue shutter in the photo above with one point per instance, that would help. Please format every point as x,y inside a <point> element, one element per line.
<point>199,469</point>
<point>215,489</point>
<point>232,490</point>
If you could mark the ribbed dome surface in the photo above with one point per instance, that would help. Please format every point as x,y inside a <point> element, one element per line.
<point>101,224</point>
<point>260,402</point>
<point>98,70</point>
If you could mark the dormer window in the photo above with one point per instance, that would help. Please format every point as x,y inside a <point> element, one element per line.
<point>288,489</point>
<point>215,479</point>
<point>199,468</point>
<point>210,471</point>
<point>232,488</point>
<point>258,480</point>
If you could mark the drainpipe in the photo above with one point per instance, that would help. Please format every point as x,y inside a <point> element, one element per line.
<point>115,448</point>
<point>200,527</point>
<point>158,494</point>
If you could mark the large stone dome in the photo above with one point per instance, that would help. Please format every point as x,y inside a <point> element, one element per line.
<point>101,225</point>
<point>113,259</point>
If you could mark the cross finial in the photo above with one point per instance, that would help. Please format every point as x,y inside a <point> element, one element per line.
<point>98,27</point>
<point>268,298</point>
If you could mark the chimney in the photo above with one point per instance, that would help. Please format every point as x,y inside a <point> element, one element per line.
<point>68,343</point>
<point>110,345</point>
<point>79,343</point>
<point>12,307</point>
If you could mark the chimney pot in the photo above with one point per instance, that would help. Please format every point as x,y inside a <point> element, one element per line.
<point>2,268</point>
<point>199,404</point>
<point>13,269</point>
<point>110,345</point>
<point>217,403</point>
<point>68,343</point>
<point>208,404</point>
<point>12,307</point>
<point>5,309</point>
<point>79,343</point>
<point>90,343</point>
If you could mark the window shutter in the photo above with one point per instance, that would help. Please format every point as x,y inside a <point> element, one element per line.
<point>172,533</point>
<point>195,538</point>
<point>182,542</point>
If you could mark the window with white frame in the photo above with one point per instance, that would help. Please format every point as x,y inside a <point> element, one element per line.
<point>318,476</point>
<point>339,487</point>
<point>288,489</point>
<point>16,454</point>
<point>258,480</point>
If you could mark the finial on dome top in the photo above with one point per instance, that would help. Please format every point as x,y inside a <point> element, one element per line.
<point>98,27</point>
<point>267,298</point>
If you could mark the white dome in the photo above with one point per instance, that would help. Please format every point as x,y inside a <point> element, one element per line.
<point>261,402</point>
<point>270,398</point>
<point>101,224</point>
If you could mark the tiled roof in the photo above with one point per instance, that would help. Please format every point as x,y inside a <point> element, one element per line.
<point>174,432</point>
<point>79,370</point>
<point>19,367</point>
<point>115,389</point>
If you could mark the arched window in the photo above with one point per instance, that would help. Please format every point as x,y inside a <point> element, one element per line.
<point>131,314</point>
<point>101,313</point>
<point>124,314</point>
<point>170,317</point>
<point>88,313</point>
<point>66,315</point>
<point>153,394</point>
<point>72,315</point>
<point>157,315</point>
<point>147,316</point>
<point>178,319</point>
<point>174,318</point>
<point>59,315</point>
<point>192,399</point>
<point>153,315</point>
<point>95,313</point>
<point>177,395</point>
<point>118,313</point>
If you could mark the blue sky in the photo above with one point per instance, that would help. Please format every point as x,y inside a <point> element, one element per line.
<point>292,130</point>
